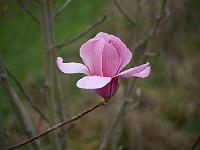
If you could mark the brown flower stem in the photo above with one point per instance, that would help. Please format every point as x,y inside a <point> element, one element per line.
<point>57,126</point>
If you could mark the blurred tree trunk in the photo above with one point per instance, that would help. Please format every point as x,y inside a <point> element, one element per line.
<point>53,87</point>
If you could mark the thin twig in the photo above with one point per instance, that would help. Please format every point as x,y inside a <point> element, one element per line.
<point>61,8</point>
<point>29,13</point>
<point>57,126</point>
<point>195,144</point>
<point>3,7</point>
<point>26,95</point>
<point>59,99</point>
<point>174,11</point>
<point>112,125</point>
<point>161,21</point>
<point>121,10</point>
<point>75,38</point>
<point>17,105</point>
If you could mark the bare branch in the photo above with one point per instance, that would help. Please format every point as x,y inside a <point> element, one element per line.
<point>57,126</point>
<point>195,144</point>
<point>3,7</point>
<point>112,125</point>
<point>121,10</point>
<point>59,10</point>
<point>174,11</point>
<point>29,13</point>
<point>75,38</point>
<point>26,95</point>
<point>18,106</point>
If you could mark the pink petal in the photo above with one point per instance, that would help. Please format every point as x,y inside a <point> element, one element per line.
<point>141,71</point>
<point>123,51</point>
<point>71,67</point>
<point>93,82</point>
<point>110,60</point>
<point>91,53</point>
<point>110,89</point>
<point>102,35</point>
<point>145,73</point>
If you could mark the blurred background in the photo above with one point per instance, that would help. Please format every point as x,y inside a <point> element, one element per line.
<point>162,112</point>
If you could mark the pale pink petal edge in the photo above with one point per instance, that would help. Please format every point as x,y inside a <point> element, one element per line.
<point>93,82</point>
<point>71,67</point>
<point>141,71</point>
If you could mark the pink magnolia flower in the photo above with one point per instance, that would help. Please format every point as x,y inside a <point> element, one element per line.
<point>104,57</point>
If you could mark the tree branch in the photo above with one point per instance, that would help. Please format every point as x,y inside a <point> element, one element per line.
<point>18,106</point>
<point>26,95</point>
<point>28,12</point>
<point>121,10</point>
<point>75,38</point>
<point>195,144</point>
<point>61,8</point>
<point>57,126</point>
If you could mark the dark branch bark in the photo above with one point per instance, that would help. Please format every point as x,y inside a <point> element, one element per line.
<point>28,12</point>
<point>57,126</point>
<point>61,8</point>
<point>19,108</point>
<point>27,96</point>
<point>121,10</point>
<point>75,38</point>
<point>195,144</point>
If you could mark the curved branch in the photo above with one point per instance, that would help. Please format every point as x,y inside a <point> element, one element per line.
<point>26,95</point>
<point>123,12</point>
<point>75,38</point>
<point>195,143</point>
<point>29,13</point>
<point>17,105</point>
<point>57,126</point>
<point>60,9</point>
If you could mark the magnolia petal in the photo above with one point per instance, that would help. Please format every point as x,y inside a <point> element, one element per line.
<point>97,57</point>
<point>145,73</point>
<point>72,67</point>
<point>141,71</point>
<point>110,89</point>
<point>91,53</point>
<point>93,82</point>
<point>102,35</point>
<point>124,53</point>
<point>110,60</point>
